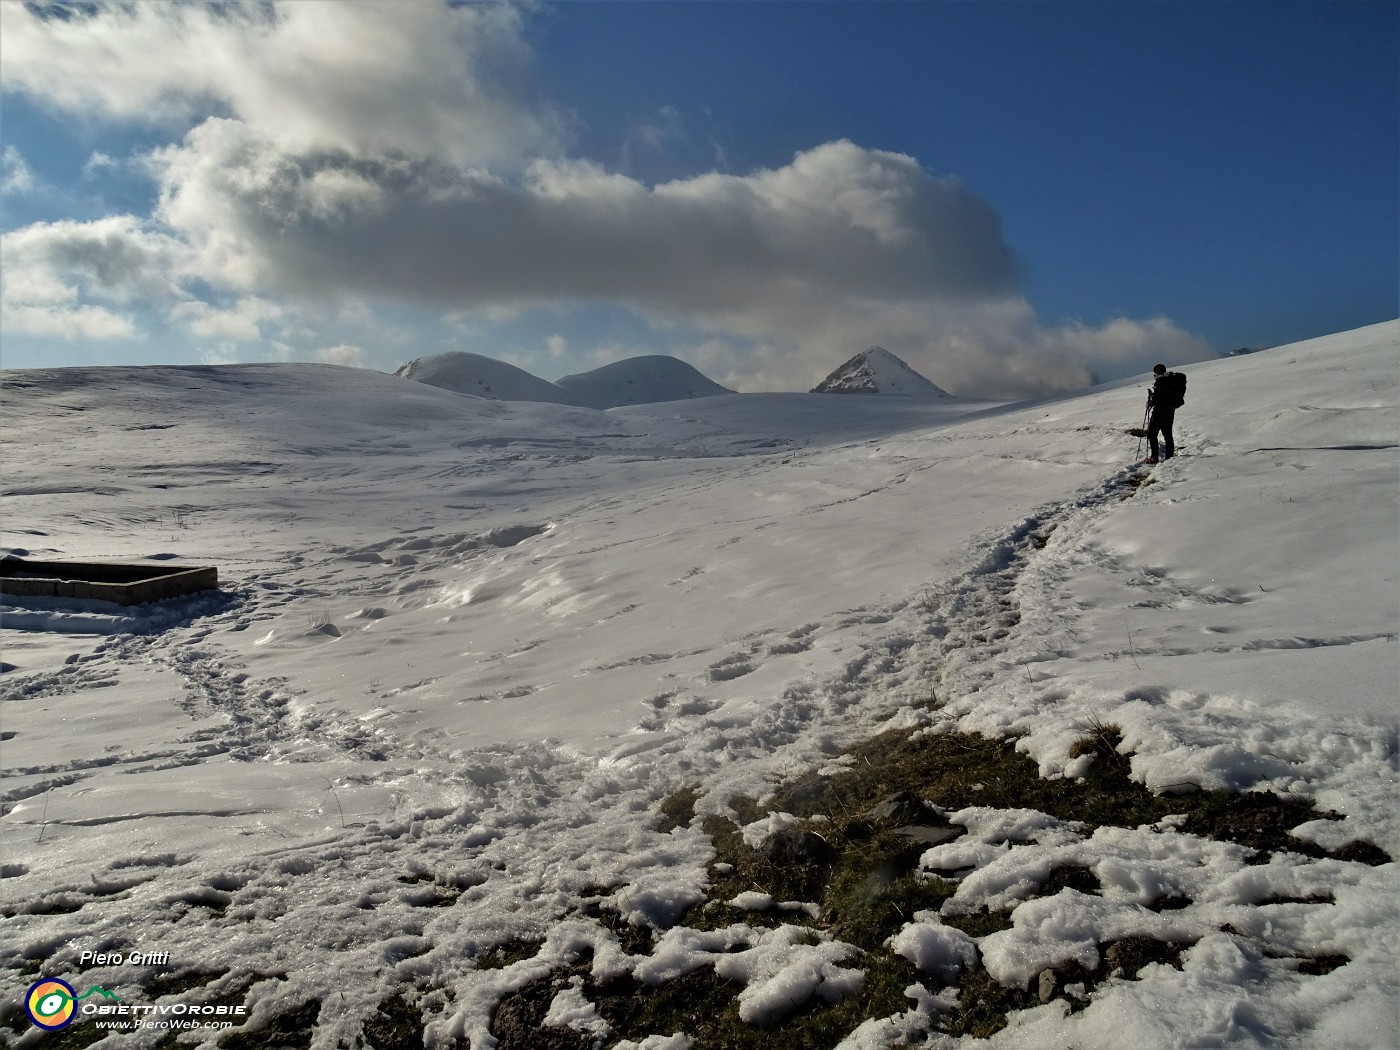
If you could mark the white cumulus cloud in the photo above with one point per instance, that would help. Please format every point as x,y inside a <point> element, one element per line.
<point>372,77</point>
<point>16,176</point>
<point>51,268</point>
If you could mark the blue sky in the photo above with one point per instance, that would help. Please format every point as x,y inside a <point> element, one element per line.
<point>1015,197</point>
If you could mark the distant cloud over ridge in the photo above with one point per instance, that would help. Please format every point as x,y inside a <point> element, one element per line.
<point>838,220</point>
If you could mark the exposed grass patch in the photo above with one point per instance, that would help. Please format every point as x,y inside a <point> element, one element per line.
<point>795,879</point>
<point>678,809</point>
<point>397,1025</point>
<point>1127,957</point>
<point>860,868</point>
<point>1311,898</point>
<point>983,1006</point>
<point>700,1004</point>
<point>75,1037</point>
<point>955,770</point>
<point>1359,852</point>
<point>1070,877</point>
<point>507,954</point>
<point>1259,820</point>
<point>705,1007</point>
<point>518,1023</point>
<point>635,940</point>
<point>178,982</point>
<point>293,1028</point>
<point>871,898</point>
<point>1316,966</point>
<point>980,923</point>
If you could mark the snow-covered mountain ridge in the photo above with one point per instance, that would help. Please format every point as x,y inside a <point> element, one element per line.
<point>465,648</point>
<point>649,379</point>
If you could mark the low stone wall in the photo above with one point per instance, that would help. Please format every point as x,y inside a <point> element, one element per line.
<point>123,583</point>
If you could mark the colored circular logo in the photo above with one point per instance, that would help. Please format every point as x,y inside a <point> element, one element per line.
<point>51,1003</point>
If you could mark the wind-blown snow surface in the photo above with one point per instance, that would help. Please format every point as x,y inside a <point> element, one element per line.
<point>464,647</point>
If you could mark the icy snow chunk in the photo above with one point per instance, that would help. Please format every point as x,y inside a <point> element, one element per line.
<point>1013,825</point>
<point>1292,877</point>
<point>657,899</point>
<point>989,831</point>
<point>757,833</point>
<point>570,1009</point>
<point>1070,926</point>
<point>678,1041</point>
<point>934,948</point>
<point>954,857</point>
<point>784,969</point>
<point>681,950</point>
<point>752,900</point>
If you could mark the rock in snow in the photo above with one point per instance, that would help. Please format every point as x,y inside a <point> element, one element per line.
<point>877,371</point>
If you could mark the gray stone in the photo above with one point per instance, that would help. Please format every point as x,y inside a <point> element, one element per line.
<point>900,809</point>
<point>928,835</point>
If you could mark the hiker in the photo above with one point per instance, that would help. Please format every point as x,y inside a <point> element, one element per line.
<point>1166,396</point>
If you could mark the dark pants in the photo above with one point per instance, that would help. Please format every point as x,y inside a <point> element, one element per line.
<point>1161,423</point>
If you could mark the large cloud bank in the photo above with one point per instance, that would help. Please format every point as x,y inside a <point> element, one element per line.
<point>389,153</point>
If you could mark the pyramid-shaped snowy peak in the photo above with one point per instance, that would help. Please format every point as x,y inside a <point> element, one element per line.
<point>877,371</point>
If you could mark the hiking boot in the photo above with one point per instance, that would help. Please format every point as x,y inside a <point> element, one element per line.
<point>1151,461</point>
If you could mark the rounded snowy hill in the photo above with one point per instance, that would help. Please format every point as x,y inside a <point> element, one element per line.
<point>635,381</point>
<point>465,373</point>
<point>877,371</point>
<point>638,381</point>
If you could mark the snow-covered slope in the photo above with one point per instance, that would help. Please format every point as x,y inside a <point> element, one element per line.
<point>463,648</point>
<point>465,373</point>
<point>638,381</point>
<point>877,371</point>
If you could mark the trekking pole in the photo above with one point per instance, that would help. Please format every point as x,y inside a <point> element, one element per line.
<point>1145,413</point>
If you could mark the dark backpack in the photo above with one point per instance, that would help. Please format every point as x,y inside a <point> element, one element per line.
<point>1173,386</point>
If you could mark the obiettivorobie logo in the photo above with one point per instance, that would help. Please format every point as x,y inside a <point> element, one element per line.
<point>52,1004</point>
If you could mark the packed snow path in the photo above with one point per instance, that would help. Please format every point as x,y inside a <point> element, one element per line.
<point>468,648</point>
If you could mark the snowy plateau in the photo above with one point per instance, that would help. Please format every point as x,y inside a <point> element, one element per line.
<point>410,764</point>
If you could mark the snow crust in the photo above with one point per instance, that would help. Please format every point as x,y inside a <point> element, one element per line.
<point>464,647</point>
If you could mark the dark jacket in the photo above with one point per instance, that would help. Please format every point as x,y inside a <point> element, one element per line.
<point>1159,396</point>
